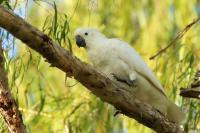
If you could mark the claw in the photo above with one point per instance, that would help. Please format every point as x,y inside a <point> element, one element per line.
<point>132,83</point>
<point>128,82</point>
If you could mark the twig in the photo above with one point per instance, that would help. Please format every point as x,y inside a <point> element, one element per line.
<point>179,36</point>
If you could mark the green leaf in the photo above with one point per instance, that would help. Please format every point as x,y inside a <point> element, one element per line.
<point>5,3</point>
<point>1,1</point>
<point>55,19</point>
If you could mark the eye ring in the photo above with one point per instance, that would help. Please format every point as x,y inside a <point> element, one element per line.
<point>86,33</point>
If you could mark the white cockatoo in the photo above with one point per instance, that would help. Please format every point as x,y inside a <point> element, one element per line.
<point>119,61</point>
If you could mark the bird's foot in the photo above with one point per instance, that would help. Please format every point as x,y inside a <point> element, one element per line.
<point>131,83</point>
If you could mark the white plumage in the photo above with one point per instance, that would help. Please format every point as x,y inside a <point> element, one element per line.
<point>118,60</point>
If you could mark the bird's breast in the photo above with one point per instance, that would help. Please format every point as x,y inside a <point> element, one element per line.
<point>101,59</point>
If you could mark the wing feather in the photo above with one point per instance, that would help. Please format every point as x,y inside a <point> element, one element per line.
<point>135,62</point>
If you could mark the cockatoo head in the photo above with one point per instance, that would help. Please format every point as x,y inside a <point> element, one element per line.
<point>85,37</point>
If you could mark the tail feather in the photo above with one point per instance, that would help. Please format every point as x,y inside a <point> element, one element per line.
<point>175,114</point>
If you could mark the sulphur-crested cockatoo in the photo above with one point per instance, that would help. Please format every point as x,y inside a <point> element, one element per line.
<point>119,61</point>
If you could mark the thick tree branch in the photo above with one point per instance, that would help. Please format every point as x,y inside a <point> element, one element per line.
<point>8,106</point>
<point>119,96</point>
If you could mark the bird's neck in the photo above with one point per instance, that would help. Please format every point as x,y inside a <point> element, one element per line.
<point>96,49</point>
<point>96,43</point>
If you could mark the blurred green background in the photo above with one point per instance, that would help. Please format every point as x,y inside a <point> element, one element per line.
<point>52,103</point>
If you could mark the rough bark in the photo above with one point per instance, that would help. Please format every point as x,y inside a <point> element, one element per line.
<point>119,96</point>
<point>8,107</point>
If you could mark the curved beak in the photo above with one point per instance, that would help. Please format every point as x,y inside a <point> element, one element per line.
<point>80,41</point>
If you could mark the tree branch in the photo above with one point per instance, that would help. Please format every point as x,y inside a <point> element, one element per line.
<point>193,91</point>
<point>8,106</point>
<point>119,96</point>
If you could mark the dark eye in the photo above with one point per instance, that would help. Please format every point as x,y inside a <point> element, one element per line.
<point>86,33</point>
